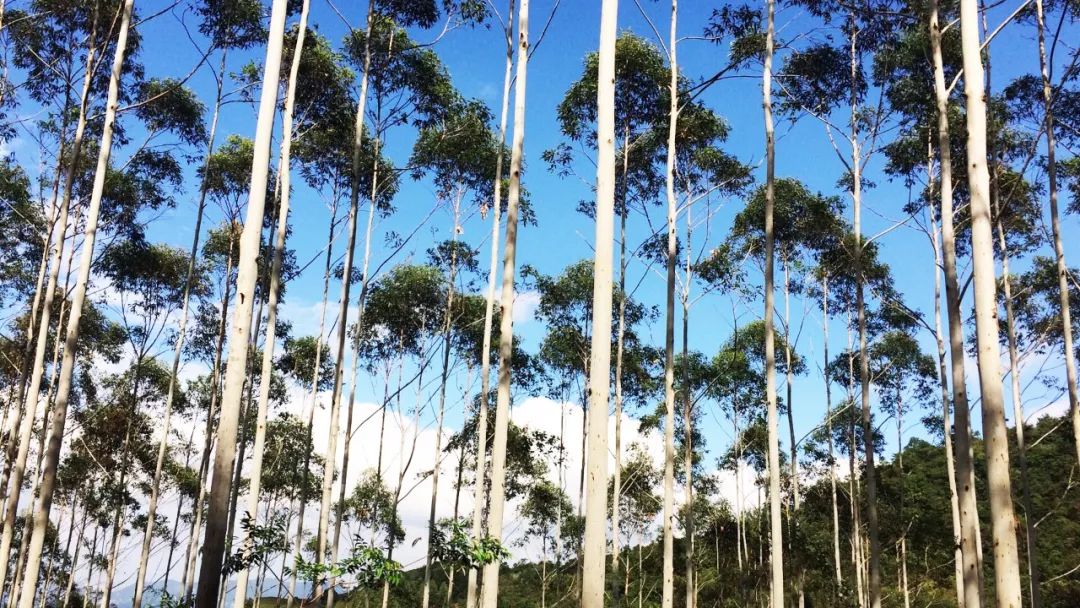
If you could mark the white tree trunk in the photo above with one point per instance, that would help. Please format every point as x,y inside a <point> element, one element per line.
<point>247,275</point>
<point>776,536</point>
<point>284,173</point>
<point>489,313</point>
<point>78,299</point>
<point>1055,223</point>
<point>490,593</point>
<point>24,418</point>
<point>595,542</point>
<point>1006,561</point>
<point>965,480</point>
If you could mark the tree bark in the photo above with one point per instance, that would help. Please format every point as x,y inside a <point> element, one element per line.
<point>595,543</point>
<point>1006,560</point>
<point>67,368</point>
<point>284,173</point>
<point>236,369</point>
<point>965,478</point>
<point>776,532</point>
<point>489,313</point>
<point>489,597</point>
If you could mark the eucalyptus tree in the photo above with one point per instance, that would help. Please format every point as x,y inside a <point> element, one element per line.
<point>1006,561</point>
<point>776,588</point>
<point>273,294</point>
<point>497,495</point>
<point>227,27</point>
<point>495,209</point>
<point>63,393</point>
<point>408,84</point>
<point>805,225</point>
<point>543,507</point>
<point>459,154</point>
<point>42,89</point>
<point>235,370</point>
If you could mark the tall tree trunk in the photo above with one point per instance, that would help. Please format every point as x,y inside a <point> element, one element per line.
<point>343,306</point>
<point>668,588</point>
<point>1006,560</point>
<point>874,572</point>
<point>965,478</point>
<point>67,368</point>
<point>1018,420</point>
<point>1055,223</point>
<point>688,420</point>
<point>829,430</point>
<point>497,497</point>
<point>595,543</point>
<point>617,591</point>
<point>163,446</point>
<point>247,275</point>
<point>776,531</point>
<point>14,473</point>
<point>284,175</point>
<point>479,474</point>
<point>443,378</point>
<point>943,378</point>
<point>208,441</point>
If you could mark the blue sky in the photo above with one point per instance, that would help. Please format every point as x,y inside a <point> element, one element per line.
<point>474,58</point>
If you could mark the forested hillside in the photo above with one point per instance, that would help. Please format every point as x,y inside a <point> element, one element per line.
<point>544,303</point>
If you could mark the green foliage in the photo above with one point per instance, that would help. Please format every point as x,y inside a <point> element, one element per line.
<point>367,567</point>
<point>452,546</point>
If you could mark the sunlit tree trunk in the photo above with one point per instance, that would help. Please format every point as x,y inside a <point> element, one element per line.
<point>965,478</point>
<point>24,418</point>
<point>617,592</point>
<point>776,532</point>
<point>1055,223</point>
<point>1006,560</point>
<point>284,174</point>
<point>595,543</point>
<point>236,369</point>
<point>208,440</point>
<point>479,474</point>
<point>943,378</point>
<point>489,598</point>
<point>78,299</point>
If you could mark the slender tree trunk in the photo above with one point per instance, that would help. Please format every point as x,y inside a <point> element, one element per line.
<point>302,497</point>
<point>204,465</point>
<point>443,378</point>
<point>13,474</point>
<point>688,420</point>
<point>247,275</point>
<point>829,430</point>
<point>1018,420</point>
<point>60,405</point>
<point>74,561</point>
<point>343,307</point>
<point>284,174</point>
<point>616,492</point>
<point>943,377</point>
<point>969,518</point>
<point>1006,560</point>
<point>1055,223</point>
<point>776,587</point>
<point>155,488</point>
<point>595,543</point>
<point>874,572</point>
<point>667,523</point>
<point>489,314</point>
<point>489,598</point>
